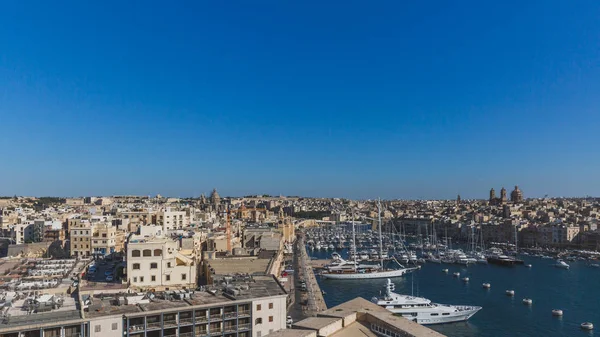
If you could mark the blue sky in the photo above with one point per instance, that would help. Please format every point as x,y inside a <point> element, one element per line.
<point>357,99</point>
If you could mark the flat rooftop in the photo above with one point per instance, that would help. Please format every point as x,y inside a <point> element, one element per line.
<point>252,266</point>
<point>19,313</point>
<point>260,286</point>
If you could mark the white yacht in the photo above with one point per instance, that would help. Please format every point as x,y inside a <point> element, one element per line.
<point>422,310</point>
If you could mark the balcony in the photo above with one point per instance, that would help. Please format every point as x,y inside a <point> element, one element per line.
<point>201,332</point>
<point>153,325</point>
<point>170,335</point>
<point>216,331</point>
<point>230,328</point>
<point>201,319</point>
<point>216,317</point>
<point>229,315</point>
<point>185,321</point>
<point>186,334</point>
<point>243,313</point>
<point>136,327</point>
<point>245,326</point>
<point>170,323</point>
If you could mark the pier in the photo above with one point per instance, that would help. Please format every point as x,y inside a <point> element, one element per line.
<point>310,302</point>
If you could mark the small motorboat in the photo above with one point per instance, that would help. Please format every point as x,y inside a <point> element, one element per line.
<point>557,312</point>
<point>465,279</point>
<point>457,274</point>
<point>527,301</point>
<point>510,293</point>
<point>561,264</point>
<point>486,285</point>
<point>444,270</point>
<point>587,326</point>
<point>528,265</point>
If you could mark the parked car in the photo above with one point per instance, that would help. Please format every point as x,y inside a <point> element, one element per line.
<point>109,278</point>
<point>289,321</point>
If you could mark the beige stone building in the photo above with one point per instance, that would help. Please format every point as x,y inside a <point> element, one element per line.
<point>80,240</point>
<point>156,261</point>
<point>104,239</point>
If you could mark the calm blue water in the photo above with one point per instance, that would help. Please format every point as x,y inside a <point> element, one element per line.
<point>576,291</point>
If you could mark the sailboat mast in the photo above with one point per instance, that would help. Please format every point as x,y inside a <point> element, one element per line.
<point>379,226</point>
<point>354,242</point>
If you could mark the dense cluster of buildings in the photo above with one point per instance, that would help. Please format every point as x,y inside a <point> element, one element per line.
<point>213,266</point>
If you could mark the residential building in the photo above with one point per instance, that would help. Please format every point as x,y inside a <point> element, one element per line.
<point>80,238</point>
<point>104,239</point>
<point>155,260</point>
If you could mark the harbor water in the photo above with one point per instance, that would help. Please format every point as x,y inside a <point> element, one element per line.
<point>575,291</point>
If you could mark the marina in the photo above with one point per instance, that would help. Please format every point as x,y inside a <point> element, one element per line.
<point>572,291</point>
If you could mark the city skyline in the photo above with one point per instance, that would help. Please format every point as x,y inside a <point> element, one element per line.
<point>398,101</point>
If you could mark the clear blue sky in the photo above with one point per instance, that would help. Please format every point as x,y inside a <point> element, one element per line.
<point>398,99</point>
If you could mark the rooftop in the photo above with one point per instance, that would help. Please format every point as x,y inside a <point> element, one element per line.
<point>234,290</point>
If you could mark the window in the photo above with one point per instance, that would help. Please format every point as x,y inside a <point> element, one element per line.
<point>135,280</point>
<point>103,235</point>
<point>153,265</point>
<point>168,264</point>
<point>270,330</point>
<point>258,307</point>
<point>183,277</point>
<point>271,305</point>
<point>147,252</point>
<point>141,279</point>
<point>258,321</point>
<point>157,252</point>
<point>135,253</point>
<point>153,278</point>
<point>115,326</point>
<point>270,318</point>
<point>446,314</point>
<point>74,246</point>
<point>434,314</point>
<point>168,277</point>
<point>136,266</point>
<point>258,334</point>
<point>97,328</point>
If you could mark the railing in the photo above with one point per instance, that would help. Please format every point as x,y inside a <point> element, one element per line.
<point>214,317</point>
<point>185,321</point>
<point>186,334</point>
<point>201,319</point>
<point>230,314</point>
<point>201,332</point>
<point>153,325</point>
<point>171,322</point>
<point>230,328</point>
<point>136,327</point>
<point>171,335</point>
<point>244,313</point>
<point>216,331</point>
<point>245,326</point>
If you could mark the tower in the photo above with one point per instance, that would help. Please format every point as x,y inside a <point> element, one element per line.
<point>492,195</point>
<point>458,200</point>
<point>503,195</point>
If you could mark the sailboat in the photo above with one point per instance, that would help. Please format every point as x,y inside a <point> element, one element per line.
<point>357,271</point>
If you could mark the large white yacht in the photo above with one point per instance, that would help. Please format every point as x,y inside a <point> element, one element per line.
<point>422,310</point>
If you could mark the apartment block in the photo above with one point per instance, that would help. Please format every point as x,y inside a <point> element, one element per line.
<point>156,260</point>
<point>80,240</point>
<point>104,239</point>
<point>226,311</point>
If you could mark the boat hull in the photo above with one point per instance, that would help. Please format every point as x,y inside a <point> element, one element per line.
<point>425,318</point>
<point>361,276</point>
